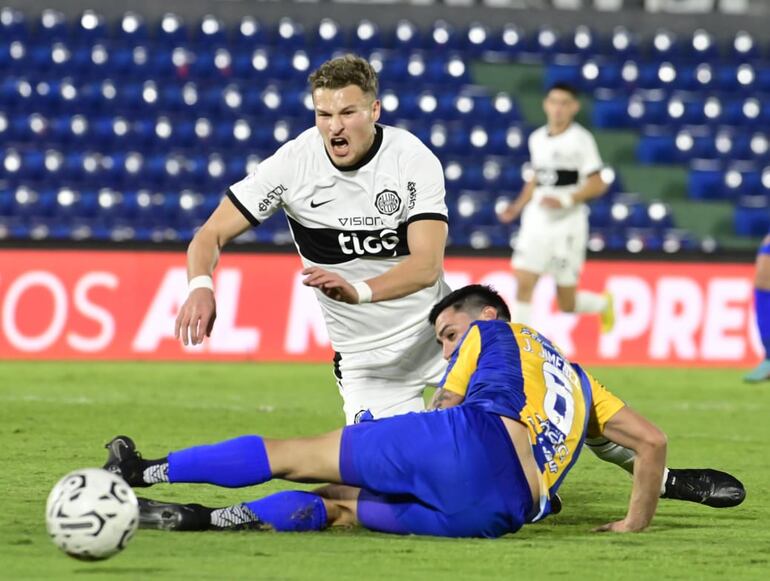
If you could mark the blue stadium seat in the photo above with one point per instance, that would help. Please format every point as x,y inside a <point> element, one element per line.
<point>90,28</point>
<point>131,30</point>
<point>703,46</point>
<point>443,37</point>
<point>512,41</point>
<point>623,44</point>
<point>210,32</point>
<point>752,220</point>
<point>546,42</point>
<point>706,180</point>
<point>51,26</point>
<point>365,36</point>
<point>477,39</point>
<point>289,34</point>
<point>743,48</point>
<point>249,34</point>
<point>583,41</point>
<point>665,46</point>
<point>13,25</point>
<point>327,35</point>
<point>405,37</point>
<point>171,31</point>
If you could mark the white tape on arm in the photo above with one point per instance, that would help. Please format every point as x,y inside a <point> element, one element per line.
<point>364,292</point>
<point>567,201</point>
<point>202,281</point>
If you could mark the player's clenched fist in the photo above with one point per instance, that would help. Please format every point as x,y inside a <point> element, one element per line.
<point>196,317</point>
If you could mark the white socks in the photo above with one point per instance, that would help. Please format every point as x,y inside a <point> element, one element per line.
<point>589,302</point>
<point>615,454</point>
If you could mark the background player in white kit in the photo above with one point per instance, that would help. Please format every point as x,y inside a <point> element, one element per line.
<point>365,203</point>
<point>554,218</point>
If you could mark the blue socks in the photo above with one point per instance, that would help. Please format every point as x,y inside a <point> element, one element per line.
<point>762,308</point>
<point>291,511</point>
<point>233,463</point>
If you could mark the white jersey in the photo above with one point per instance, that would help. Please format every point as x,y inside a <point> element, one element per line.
<point>353,221</point>
<point>561,164</point>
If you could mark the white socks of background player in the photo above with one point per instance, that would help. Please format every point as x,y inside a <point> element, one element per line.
<point>618,455</point>
<point>522,313</point>
<point>588,302</point>
<point>585,302</point>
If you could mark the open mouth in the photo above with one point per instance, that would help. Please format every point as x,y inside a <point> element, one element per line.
<point>340,146</point>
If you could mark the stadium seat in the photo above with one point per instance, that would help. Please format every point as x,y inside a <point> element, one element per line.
<point>13,25</point>
<point>171,31</point>
<point>131,31</point>
<point>743,47</point>
<point>405,37</point>
<point>706,180</point>
<point>443,37</point>
<point>365,37</point>
<point>210,32</point>
<point>90,28</point>
<point>752,220</point>
<point>623,44</point>
<point>288,34</point>
<point>250,33</point>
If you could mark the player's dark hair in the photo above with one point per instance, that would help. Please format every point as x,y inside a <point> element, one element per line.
<point>471,299</point>
<point>567,88</point>
<point>343,71</point>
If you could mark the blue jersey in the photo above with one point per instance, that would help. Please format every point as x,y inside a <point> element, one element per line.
<point>510,370</point>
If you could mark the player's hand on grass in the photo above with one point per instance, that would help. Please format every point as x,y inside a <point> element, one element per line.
<point>619,526</point>
<point>196,317</point>
<point>331,284</point>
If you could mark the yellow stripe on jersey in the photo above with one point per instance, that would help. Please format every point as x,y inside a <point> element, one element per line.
<point>464,362</point>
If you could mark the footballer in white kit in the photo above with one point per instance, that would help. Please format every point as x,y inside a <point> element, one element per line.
<point>365,204</point>
<point>566,167</point>
<point>353,221</point>
<point>553,240</point>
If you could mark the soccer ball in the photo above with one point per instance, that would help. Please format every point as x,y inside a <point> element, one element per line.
<point>91,514</point>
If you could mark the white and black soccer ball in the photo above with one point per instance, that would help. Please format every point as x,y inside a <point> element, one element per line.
<point>91,514</point>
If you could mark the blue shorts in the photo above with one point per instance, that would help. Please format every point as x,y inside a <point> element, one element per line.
<point>450,473</point>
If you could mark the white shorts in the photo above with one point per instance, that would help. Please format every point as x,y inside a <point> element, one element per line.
<point>559,250</point>
<point>390,380</point>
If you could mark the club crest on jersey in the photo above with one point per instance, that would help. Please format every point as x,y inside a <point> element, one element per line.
<point>387,202</point>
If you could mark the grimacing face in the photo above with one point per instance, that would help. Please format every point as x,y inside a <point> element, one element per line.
<point>560,108</point>
<point>451,325</point>
<point>345,118</point>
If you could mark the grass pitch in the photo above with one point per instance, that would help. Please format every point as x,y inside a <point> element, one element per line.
<point>55,417</point>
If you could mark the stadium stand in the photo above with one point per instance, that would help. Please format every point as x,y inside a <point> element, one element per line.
<point>131,130</point>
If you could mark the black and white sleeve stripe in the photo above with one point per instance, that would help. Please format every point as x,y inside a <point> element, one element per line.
<point>237,203</point>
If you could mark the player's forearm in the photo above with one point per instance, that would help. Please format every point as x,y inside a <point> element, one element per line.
<point>649,465</point>
<point>593,188</point>
<point>413,274</point>
<point>203,253</point>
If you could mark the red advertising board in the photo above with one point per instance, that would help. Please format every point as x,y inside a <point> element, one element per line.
<point>66,304</point>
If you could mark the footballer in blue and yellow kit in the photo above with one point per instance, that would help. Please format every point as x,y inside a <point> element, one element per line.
<point>455,472</point>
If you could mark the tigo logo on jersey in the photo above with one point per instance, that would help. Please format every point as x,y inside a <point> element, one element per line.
<point>387,202</point>
<point>351,243</point>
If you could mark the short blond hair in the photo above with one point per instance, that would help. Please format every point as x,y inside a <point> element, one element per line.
<point>344,71</point>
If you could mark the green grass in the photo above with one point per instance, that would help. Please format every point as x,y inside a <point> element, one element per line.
<point>55,417</point>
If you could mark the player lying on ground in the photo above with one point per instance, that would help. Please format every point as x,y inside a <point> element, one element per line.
<point>517,413</point>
